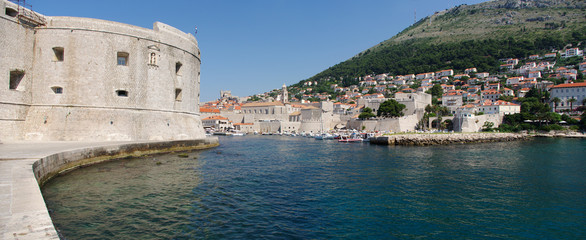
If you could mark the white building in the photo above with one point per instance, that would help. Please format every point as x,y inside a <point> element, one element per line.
<point>499,107</point>
<point>217,123</point>
<point>452,101</point>
<point>566,92</point>
<point>573,52</point>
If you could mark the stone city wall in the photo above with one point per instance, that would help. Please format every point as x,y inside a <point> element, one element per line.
<point>474,124</point>
<point>16,45</point>
<point>76,88</point>
<point>400,124</point>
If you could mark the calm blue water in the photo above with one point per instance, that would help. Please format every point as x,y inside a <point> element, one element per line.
<point>270,187</point>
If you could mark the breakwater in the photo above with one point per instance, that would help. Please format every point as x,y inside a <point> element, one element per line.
<point>441,139</point>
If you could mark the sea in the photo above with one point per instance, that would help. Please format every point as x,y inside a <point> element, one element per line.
<point>282,187</point>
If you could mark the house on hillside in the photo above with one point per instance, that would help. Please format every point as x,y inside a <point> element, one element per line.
<point>444,73</point>
<point>572,52</point>
<point>507,67</point>
<point>513,61</point>
<point>534,74</point>
<point>470,70</point>
<point>422,76</point>
<point>514,80</point>
<point>482,75</point>
<point>452,101</point>
<point>550,55</point>
<point>491,95</point>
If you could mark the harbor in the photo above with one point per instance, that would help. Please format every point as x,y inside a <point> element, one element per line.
<point>418,138</point>
<point>302,188</point>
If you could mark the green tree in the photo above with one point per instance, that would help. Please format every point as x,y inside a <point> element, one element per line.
<point>506,98</point>
<point>366,113</point>
<point>487,127</point>
<point>556,101</point>
<point>390,108</point>
<point>583,122</point>
<point>436,91</point>
<point>254,98</point>
<point>572,101</point>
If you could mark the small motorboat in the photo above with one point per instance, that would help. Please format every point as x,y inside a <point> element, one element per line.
<point>352,138</point>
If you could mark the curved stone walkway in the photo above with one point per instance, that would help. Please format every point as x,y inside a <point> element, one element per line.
<point>23,213</point>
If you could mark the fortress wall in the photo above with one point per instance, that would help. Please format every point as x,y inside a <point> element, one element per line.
<point>106,124</point>
<point>154,96</point>
<point>90,75</point>
<point>16,46</point>
<point>400,124</point>
<point>474,124</point>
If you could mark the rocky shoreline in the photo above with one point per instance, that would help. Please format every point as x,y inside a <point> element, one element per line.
<point>442,139</point>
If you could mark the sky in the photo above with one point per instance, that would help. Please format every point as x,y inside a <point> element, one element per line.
<point>254,46</point>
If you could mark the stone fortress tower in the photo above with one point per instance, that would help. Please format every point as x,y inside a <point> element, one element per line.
<point>80,79</point>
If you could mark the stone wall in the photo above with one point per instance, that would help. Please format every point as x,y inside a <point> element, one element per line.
<point>75,88</point>
<point>475,123</point>
<point>16,45</point>
<point>440,139</point>
<point>400,124</point>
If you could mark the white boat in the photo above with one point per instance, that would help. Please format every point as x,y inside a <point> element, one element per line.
<point>324,136</point>
<point>352,138</point>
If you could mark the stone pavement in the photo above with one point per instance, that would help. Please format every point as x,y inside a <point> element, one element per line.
<point>23,213</point>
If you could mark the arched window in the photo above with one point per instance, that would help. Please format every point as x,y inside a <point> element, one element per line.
<point>153,59</point>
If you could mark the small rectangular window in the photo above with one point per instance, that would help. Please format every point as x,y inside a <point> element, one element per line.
<point>122,58</point>
<point>11,12</point>
<point>59,53</point>
<point>178,66</point>
<point>16,77</point>
<point>57,90</point>
<point>178,94</point>
<point>122,93</point>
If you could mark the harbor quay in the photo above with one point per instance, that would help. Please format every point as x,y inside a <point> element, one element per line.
<point>25,166</point>
<point>428,139</point>
<point>442,139</point>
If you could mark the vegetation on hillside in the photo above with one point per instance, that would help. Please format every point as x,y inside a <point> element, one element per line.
<point>468,36</point>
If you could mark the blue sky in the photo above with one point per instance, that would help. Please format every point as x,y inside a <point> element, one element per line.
<point>254,46</point>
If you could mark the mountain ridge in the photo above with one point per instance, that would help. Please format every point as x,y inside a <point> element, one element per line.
<point>488,30</point>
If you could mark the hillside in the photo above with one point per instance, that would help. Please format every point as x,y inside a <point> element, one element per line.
<point>469,36</point>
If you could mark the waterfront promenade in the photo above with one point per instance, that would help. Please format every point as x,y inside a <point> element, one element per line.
<point>26,165</point>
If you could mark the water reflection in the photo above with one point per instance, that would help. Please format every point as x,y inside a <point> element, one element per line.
<point>283,187</point>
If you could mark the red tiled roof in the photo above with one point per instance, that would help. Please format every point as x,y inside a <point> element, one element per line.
<point>569,85</point>
<point>215,118</point>
<point>209,110</point>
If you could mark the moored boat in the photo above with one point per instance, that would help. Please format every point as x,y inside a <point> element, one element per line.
<point>352,138</point>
